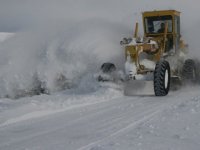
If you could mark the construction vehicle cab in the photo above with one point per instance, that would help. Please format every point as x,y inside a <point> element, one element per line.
<point>155,22</point>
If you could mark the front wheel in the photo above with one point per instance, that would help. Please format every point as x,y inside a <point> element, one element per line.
<point>162,78</point>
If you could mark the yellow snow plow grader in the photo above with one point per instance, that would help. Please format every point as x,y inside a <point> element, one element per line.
<point>158,56</point>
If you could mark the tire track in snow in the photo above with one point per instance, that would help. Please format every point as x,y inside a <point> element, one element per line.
<point>146,116</point>
<point>101,111</point>
<point>102,119</point>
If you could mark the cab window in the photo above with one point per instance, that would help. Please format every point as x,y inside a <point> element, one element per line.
<point>156,24</point>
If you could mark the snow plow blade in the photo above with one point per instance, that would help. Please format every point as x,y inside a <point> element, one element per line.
<point>138,88</point>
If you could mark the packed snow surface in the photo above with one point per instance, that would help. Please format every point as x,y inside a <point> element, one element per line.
<point>102,119</point>
<point>48,40</point>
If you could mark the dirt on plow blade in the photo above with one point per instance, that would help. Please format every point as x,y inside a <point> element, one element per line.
<point>138,88</point>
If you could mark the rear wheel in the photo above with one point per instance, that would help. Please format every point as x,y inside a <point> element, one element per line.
<point>198,71</point>
<point>189,72</point>
<point>162,78</point>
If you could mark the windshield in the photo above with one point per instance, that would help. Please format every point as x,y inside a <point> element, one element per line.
<point>157,24</point>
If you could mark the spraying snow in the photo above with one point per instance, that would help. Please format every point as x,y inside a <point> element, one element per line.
<point>48,55</point>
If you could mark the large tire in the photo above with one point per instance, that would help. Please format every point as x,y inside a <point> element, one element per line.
<point>189,72</point>
<point>162,78</point>
<point>198,71</point>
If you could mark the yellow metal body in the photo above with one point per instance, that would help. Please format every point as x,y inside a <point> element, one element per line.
<point>155,54</point>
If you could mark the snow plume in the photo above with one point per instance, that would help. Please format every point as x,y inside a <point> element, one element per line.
<point>56,39</point>
<point>50,55</point>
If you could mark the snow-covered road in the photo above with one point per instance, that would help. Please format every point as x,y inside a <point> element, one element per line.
<point>73,38</point>
<point>102,120</point>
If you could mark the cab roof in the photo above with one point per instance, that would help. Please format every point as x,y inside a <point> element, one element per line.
<point>161,13</point>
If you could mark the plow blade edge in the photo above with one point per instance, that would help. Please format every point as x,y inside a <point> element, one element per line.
<point>138,87</point>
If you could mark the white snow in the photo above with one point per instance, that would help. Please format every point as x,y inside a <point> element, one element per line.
<point>148,63</point>
<point>49,38</point>
<point>130,67</point>
<point>104,119</point>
